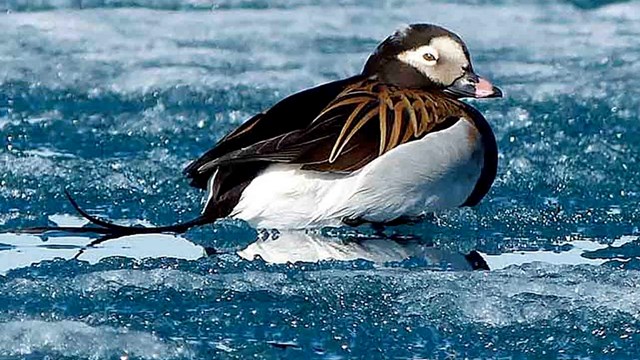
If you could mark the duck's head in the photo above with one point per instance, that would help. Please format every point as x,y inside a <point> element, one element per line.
<point>428,57</point>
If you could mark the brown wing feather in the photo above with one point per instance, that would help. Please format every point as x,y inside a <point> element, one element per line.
<point>394,137</point>
<point>411,111</point>
<point>363,122</point>
<point>382,117</point>
<point>343,140</point>
<point>410,120</point>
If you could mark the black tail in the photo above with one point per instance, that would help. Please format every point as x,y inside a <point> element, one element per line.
<point>113,230</point>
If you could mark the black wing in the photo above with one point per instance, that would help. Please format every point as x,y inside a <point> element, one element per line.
<point>294,112</point>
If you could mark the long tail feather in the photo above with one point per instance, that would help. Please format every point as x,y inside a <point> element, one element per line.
<point>130,230</point>
<point>112,230</point>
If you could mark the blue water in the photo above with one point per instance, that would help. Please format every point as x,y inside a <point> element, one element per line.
<point>111,99</point>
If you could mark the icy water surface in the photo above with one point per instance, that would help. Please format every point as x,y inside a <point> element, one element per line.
<point>111,99</point>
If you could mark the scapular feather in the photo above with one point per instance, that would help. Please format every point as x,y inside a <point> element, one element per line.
<point>403,114</point>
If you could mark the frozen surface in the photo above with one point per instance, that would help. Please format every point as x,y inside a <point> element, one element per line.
<point>111,99</point>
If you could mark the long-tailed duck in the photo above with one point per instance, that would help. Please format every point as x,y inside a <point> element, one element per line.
<point>391,143</point>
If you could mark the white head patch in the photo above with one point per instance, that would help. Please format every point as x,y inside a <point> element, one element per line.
<point>443,60</point>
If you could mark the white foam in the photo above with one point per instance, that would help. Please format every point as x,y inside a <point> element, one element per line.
<point>77,339</point>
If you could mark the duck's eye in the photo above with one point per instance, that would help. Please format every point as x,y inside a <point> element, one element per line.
<point>429,57</point>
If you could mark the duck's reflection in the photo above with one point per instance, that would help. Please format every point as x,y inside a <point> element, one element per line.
<point>19,250</point>
<point>301,246</point>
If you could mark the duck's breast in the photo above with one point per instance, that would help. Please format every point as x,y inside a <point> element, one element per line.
<point>434,173</point>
